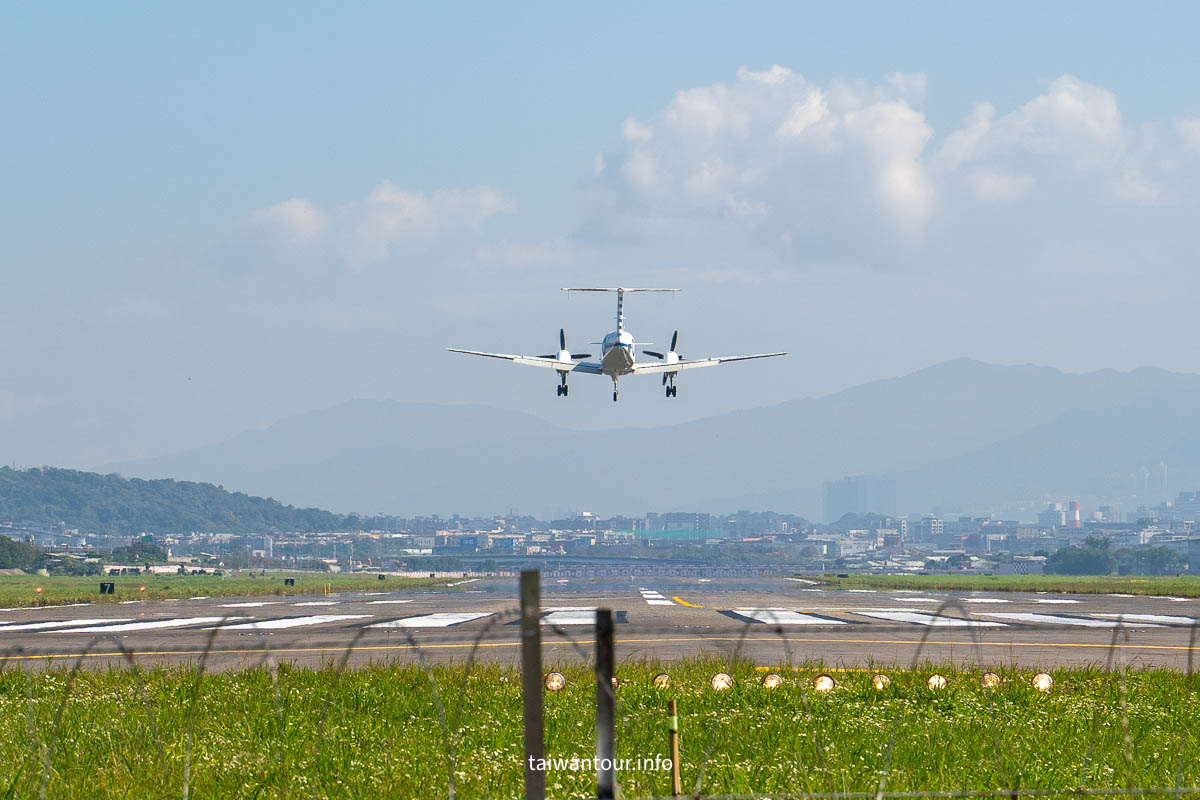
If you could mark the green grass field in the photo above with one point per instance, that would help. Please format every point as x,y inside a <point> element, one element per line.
<point>21,590</point>
<point>375,732</point>
<point>1181,586</point>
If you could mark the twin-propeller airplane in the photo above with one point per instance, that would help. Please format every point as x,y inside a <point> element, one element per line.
<point>617,354</point>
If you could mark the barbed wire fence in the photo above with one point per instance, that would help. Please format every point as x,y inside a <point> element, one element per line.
<point>592,647</point>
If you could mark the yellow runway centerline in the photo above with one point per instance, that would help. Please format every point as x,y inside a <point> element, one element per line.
<point>683,602</point>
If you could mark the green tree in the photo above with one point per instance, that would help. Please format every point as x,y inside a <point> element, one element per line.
<point>1081,561</point>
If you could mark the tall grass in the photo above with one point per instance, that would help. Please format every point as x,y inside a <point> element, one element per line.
<point>377,732</point>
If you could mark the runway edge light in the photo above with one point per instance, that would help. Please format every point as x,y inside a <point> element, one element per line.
<point>1042,682</point>
<point>880,681</point>
<point>824,683</point>
<point>555,681</point>
<point>936,681</point>
<point>721,682</point>
<point>990,680</point>
<point>662,681</point>
<point>772,680</point>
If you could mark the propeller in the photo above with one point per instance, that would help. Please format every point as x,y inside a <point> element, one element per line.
<point>671,355</point>
<point>563,354</point>
<point>674,341</point>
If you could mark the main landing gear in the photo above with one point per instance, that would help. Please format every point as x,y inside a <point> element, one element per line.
<point>672,391</point>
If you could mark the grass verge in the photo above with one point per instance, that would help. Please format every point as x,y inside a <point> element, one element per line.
<point>21,590</point>
<point>375,732</point>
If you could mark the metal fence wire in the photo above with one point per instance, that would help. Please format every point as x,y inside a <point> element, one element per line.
<point>761,715</point>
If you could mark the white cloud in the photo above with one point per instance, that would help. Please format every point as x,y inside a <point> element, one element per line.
<point>388,222</point>
<point>561,254</point>
<point>774,146</point>
<point>732,149</point>
<point>295,220</point>
<point>997,187</point>
<point>394,220</point>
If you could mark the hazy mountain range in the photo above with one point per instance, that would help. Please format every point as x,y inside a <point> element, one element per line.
<point>959,436</point>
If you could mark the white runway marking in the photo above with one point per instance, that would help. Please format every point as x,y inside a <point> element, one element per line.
<point>199,597</point>
<point>1054,619</point>
<point>570,615</point>
<point>59,623</point>
<point>1122,595</point>
<point>780,616</point>
<point>863,591</point>
<point>1172,599</point>
<point>1062,600</point>
<point>1170,620</point>
<point>317,603</point>
<point>986,600</point>
<point>294,622</point>
<point>460,583</point>
<point>916,599</point>
<point>386,602</point>
<point>258,604</point>
<point>654,598</point>
<point>148,626</point>
<point>442,620</point>
<point>931,620</point>
<point>802,580</point>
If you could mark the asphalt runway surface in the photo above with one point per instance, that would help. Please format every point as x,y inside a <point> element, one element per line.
<point>770,621</point>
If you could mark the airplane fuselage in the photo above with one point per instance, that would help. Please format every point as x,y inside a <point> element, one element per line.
<point>616,353</point>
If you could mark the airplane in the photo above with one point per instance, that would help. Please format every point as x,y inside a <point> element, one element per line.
<point>617,353</point>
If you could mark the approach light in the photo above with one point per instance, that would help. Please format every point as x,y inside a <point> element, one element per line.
<point>881,681</point>
<point>990,680</point>
<point>555,681</point>
<point>616,682</point>
<point>38,589</point>
<point>772,680</point>
<point>141,588</point>
<point>824,683</point>
<point>662,681</point>
<point>1042,682</point>
<point>936,681</point>
<point>721,682</point>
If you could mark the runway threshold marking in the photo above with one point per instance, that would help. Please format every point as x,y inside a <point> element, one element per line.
<point>491,645</point>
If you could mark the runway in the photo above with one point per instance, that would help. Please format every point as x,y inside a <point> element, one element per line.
<point>767,620</point>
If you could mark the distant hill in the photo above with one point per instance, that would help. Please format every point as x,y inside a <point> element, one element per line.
<point>939,431</point>
<point>115,505</point>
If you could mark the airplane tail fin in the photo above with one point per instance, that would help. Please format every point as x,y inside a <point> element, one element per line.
<point>620,290</point>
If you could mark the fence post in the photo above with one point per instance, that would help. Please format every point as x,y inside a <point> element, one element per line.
<point>673,749</point>
<point>605,700</point>
<point>531,684</point>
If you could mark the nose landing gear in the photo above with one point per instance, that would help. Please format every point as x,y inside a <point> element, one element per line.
<point>669,382</point>
<point>562,385</point>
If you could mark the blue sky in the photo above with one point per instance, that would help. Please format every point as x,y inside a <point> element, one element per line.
<point>215,217</point>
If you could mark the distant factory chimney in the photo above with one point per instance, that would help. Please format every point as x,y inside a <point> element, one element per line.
<point>1075,523</point>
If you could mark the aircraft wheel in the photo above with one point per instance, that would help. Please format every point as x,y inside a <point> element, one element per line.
<point>668,391</point>
<point>614,397</point>
<point>565,390</point>
<point>558,391</point>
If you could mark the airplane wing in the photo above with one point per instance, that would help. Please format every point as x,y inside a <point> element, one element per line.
<point>534,361</point>
<point>655,369</point>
